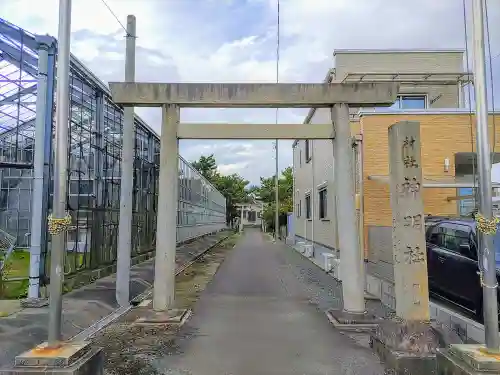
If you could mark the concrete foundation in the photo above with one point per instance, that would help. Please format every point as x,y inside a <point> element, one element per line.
<point>78,358</point>
<point>406,347</point>
<point>346,321</point>
<point>172,316</point>
<point>467,360</point>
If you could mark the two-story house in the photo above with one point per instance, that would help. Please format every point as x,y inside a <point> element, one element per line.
<point>434,90</point>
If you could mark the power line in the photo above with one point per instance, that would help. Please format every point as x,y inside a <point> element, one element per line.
<point>117,19</point>
<point>277,54</point>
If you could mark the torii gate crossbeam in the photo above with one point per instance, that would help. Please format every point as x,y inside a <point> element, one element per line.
<point>254,131</point>
<point>253,95</point>
<point>338,96</point>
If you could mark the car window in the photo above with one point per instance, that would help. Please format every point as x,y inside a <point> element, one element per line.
<point>436,236</point>
<point>454,237</point>
<point>473,247</point>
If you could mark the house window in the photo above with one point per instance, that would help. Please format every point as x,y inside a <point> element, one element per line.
<point>298,208</point>
<point>323,212</point>
<point>298,204</point>
<point>308,206</point>
<point>308,150</point>
<point>466,205</point>
<point>300,158</point>
<point>410,102</point>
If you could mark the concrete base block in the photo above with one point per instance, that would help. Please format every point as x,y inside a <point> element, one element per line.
<point>467,359</point>
<point>76,358</point>
<point>34,302</point>
<point>407,348</point>
<point>404,363</point>
<point>173,316</point>
<point>346,321</point>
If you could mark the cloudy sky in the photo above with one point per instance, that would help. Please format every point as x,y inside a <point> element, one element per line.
<point>235,41</point>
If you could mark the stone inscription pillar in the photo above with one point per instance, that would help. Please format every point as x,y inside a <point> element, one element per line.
<point>408,238</point>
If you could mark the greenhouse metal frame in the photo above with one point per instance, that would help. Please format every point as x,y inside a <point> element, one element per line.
<point>27,114</point>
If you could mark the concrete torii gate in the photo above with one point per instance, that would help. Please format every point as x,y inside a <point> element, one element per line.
<point>338,96</point>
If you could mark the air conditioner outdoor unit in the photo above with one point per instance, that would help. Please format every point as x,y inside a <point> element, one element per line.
<point>328,261</point>
<point>300,246</point>
<point>309,251</point>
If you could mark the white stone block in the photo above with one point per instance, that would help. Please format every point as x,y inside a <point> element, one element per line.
<point>374,286</point>
<point>336,269</point>
<point>328,261</point>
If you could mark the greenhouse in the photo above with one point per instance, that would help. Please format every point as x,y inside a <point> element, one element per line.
<point>27,113</point>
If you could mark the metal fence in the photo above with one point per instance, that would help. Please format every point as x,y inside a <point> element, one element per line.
<point>27,113</point>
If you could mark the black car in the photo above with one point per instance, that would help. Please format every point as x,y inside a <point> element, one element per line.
<point>452,262</point>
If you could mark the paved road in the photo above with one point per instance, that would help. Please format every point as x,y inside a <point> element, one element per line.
<point>262,314</point>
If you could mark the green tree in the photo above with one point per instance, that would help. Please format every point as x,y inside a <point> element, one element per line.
<point>266,192</point>
<point>233,186</point>
<point>285,189</point>
<point>207,166</point>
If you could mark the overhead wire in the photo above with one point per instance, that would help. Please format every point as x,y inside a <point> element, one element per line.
<point>466,36</point>
<point>117,19</point>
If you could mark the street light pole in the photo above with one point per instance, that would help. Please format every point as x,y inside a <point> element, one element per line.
<point>59,225</point>
<point>276,197</point>
<point>487,253</point>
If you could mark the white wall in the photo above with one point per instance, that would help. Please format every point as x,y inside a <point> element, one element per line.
<point>321,231</point>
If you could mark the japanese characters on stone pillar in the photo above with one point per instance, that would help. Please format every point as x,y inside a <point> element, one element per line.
<point>408,239</point>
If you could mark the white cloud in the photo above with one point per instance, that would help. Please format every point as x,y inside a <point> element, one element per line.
<point>234,40</point>
<point>232,168</point>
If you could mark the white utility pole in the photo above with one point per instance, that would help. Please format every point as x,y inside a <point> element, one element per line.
<point>486,248</point>
<point>127,178</point>
<point>241,217</point>
<point>38,169</point>
<point>276,187</point>
<point>58,248</point>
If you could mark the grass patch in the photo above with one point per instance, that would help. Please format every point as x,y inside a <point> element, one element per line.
<point>230,241</point>
<point>18,264</point>
<point>18,267</point>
